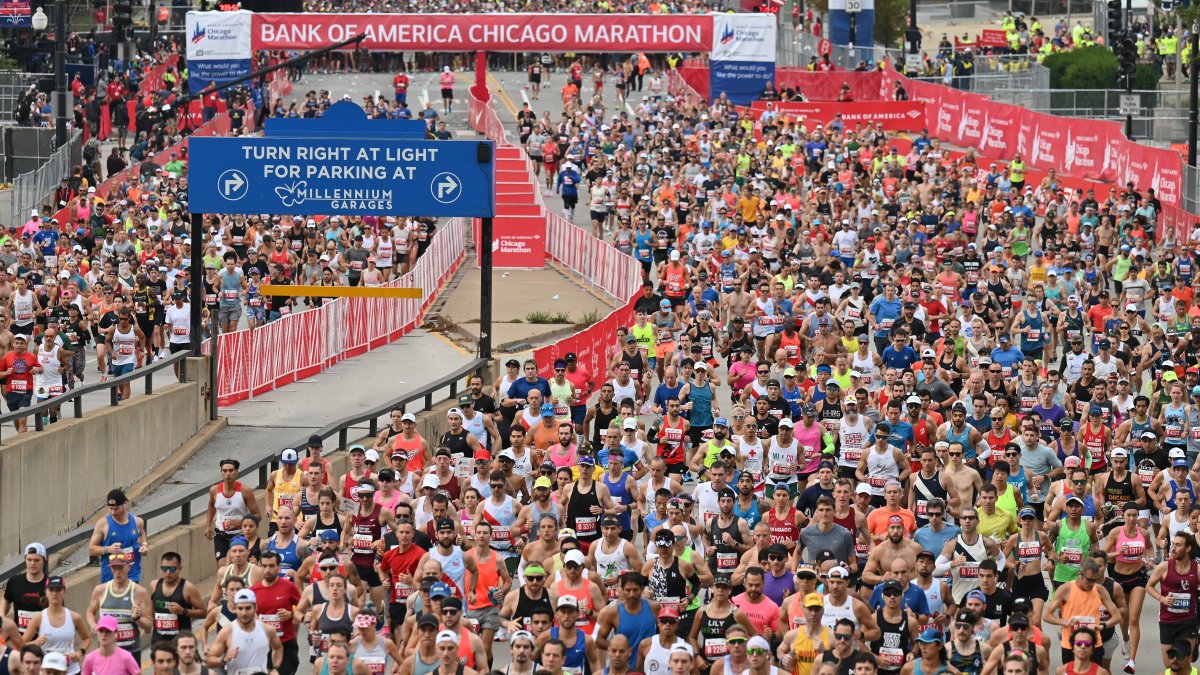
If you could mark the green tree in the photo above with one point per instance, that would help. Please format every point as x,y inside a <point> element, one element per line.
<point>891,19</point>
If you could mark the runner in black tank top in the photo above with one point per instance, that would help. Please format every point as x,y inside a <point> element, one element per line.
<point>579,514</point>
<point>182,624</point>
<point>894,640</point>
<point>726,556</point>
<point>712,635</point>
<point>601,421</point>
<point>948,362</point>
<point>459,447</point>
<point>526,606</point>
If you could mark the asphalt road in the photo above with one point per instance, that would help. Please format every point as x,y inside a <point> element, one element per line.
<point>509,89</point>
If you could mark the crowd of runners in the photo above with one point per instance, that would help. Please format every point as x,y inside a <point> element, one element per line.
<point>883,409</point>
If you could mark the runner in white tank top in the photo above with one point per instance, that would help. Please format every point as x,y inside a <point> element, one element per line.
<point>478,430</point>
<point>869,371</point>
<point>49,382</point>
<point>253,650</point>
<point>60,639</point>
<point>124,346</point>
<point>852,438</point>
<point>880,468</point>
<point>834,612</point>
<point>610,565</point>
<point>658,657</point>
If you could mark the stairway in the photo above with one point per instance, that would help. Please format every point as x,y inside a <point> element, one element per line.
<point>518,205</point>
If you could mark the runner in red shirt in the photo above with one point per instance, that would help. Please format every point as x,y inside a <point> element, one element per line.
<point>398,568</point>
<point>19,366</point>
<point>400,85</point>
<point>277,597</point>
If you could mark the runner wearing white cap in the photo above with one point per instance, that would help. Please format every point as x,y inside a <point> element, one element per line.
<point>248,645</point>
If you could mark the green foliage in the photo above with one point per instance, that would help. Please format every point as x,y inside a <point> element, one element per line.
<point>1085,68</point>
<point>540,317</point>
<point>891,19</point>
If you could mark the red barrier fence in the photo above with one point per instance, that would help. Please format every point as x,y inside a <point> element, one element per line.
<point>1087,154</point>
<point>218,126</point>
<point>595,260</point>
<point>300,345</point>
<point>152,81</point>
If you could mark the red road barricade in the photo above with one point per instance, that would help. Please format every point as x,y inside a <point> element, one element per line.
<point>595,260</point>
<point>1082,153</point>
<point>252,362</point>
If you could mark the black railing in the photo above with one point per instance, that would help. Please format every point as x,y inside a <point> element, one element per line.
<point>73,398</point>
<point>181,507</point>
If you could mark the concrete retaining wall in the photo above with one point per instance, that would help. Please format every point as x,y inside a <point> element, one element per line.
<point>54,480</point>
<point>197,552</point>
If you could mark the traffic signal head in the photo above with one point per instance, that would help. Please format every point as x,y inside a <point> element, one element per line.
<point>1128,56</point>
<point>1116,20</point>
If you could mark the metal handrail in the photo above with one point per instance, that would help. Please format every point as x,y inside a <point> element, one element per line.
<point>75,396</point>
<point>267,464</point>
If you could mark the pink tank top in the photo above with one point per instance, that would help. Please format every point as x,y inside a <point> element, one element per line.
<point>1130,549</point>
<point>562,462</point>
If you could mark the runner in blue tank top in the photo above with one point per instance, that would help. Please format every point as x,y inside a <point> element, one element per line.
<point>113,536</point>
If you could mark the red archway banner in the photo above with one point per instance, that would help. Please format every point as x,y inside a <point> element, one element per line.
<point>489,32</point>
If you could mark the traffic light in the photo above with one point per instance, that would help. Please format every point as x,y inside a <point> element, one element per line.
<point>1116,20</point>
<point>1128,56</point>
<point>122,20</point>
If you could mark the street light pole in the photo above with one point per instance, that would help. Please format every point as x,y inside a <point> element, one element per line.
<point>1194,90</point>
<point>60,71</point>
<point>40,22</point>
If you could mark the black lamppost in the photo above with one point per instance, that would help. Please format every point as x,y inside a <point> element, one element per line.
<point>40,22</point>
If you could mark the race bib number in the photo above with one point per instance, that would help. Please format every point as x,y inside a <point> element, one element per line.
<point>256,302</point>
<point>230,295</point>
<point>501,535</point>
<point>361,543</point>
<point>1181,603</point>
<point>24,316</point>
<point>810,452</point>
<point>166,623</point>
<point>891,657</point>
<point>851,454</point>
<point>1088,621</point>
<point>585,525</point>
<point>671,603</point>
<point>125,350</point>
<point>210,298</point>
<point>1072,556</point>
<point>968,571</point>
<point>715,648</point>
<point>402,592</point>
<point>20,386</point>
<point>1028,551</point>
<point>179,330</point>
<point>920,511</point>
<point>877,481</point>
<point>783,469</point>
<point>1133,549</point>
<point>286,500</point>
<point>231,524</point>
<point>727,561</point>
<point>375,665</point>
<point>23,618</point>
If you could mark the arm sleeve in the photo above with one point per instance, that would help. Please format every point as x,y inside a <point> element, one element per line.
<point>942,568</point>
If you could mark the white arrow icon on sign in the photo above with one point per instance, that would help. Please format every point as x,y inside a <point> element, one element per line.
<point>232,184</point>
<point>446,187</point>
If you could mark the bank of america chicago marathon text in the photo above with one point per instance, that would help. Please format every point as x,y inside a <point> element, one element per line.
<point>535,36</point>
<point>321,162</point>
